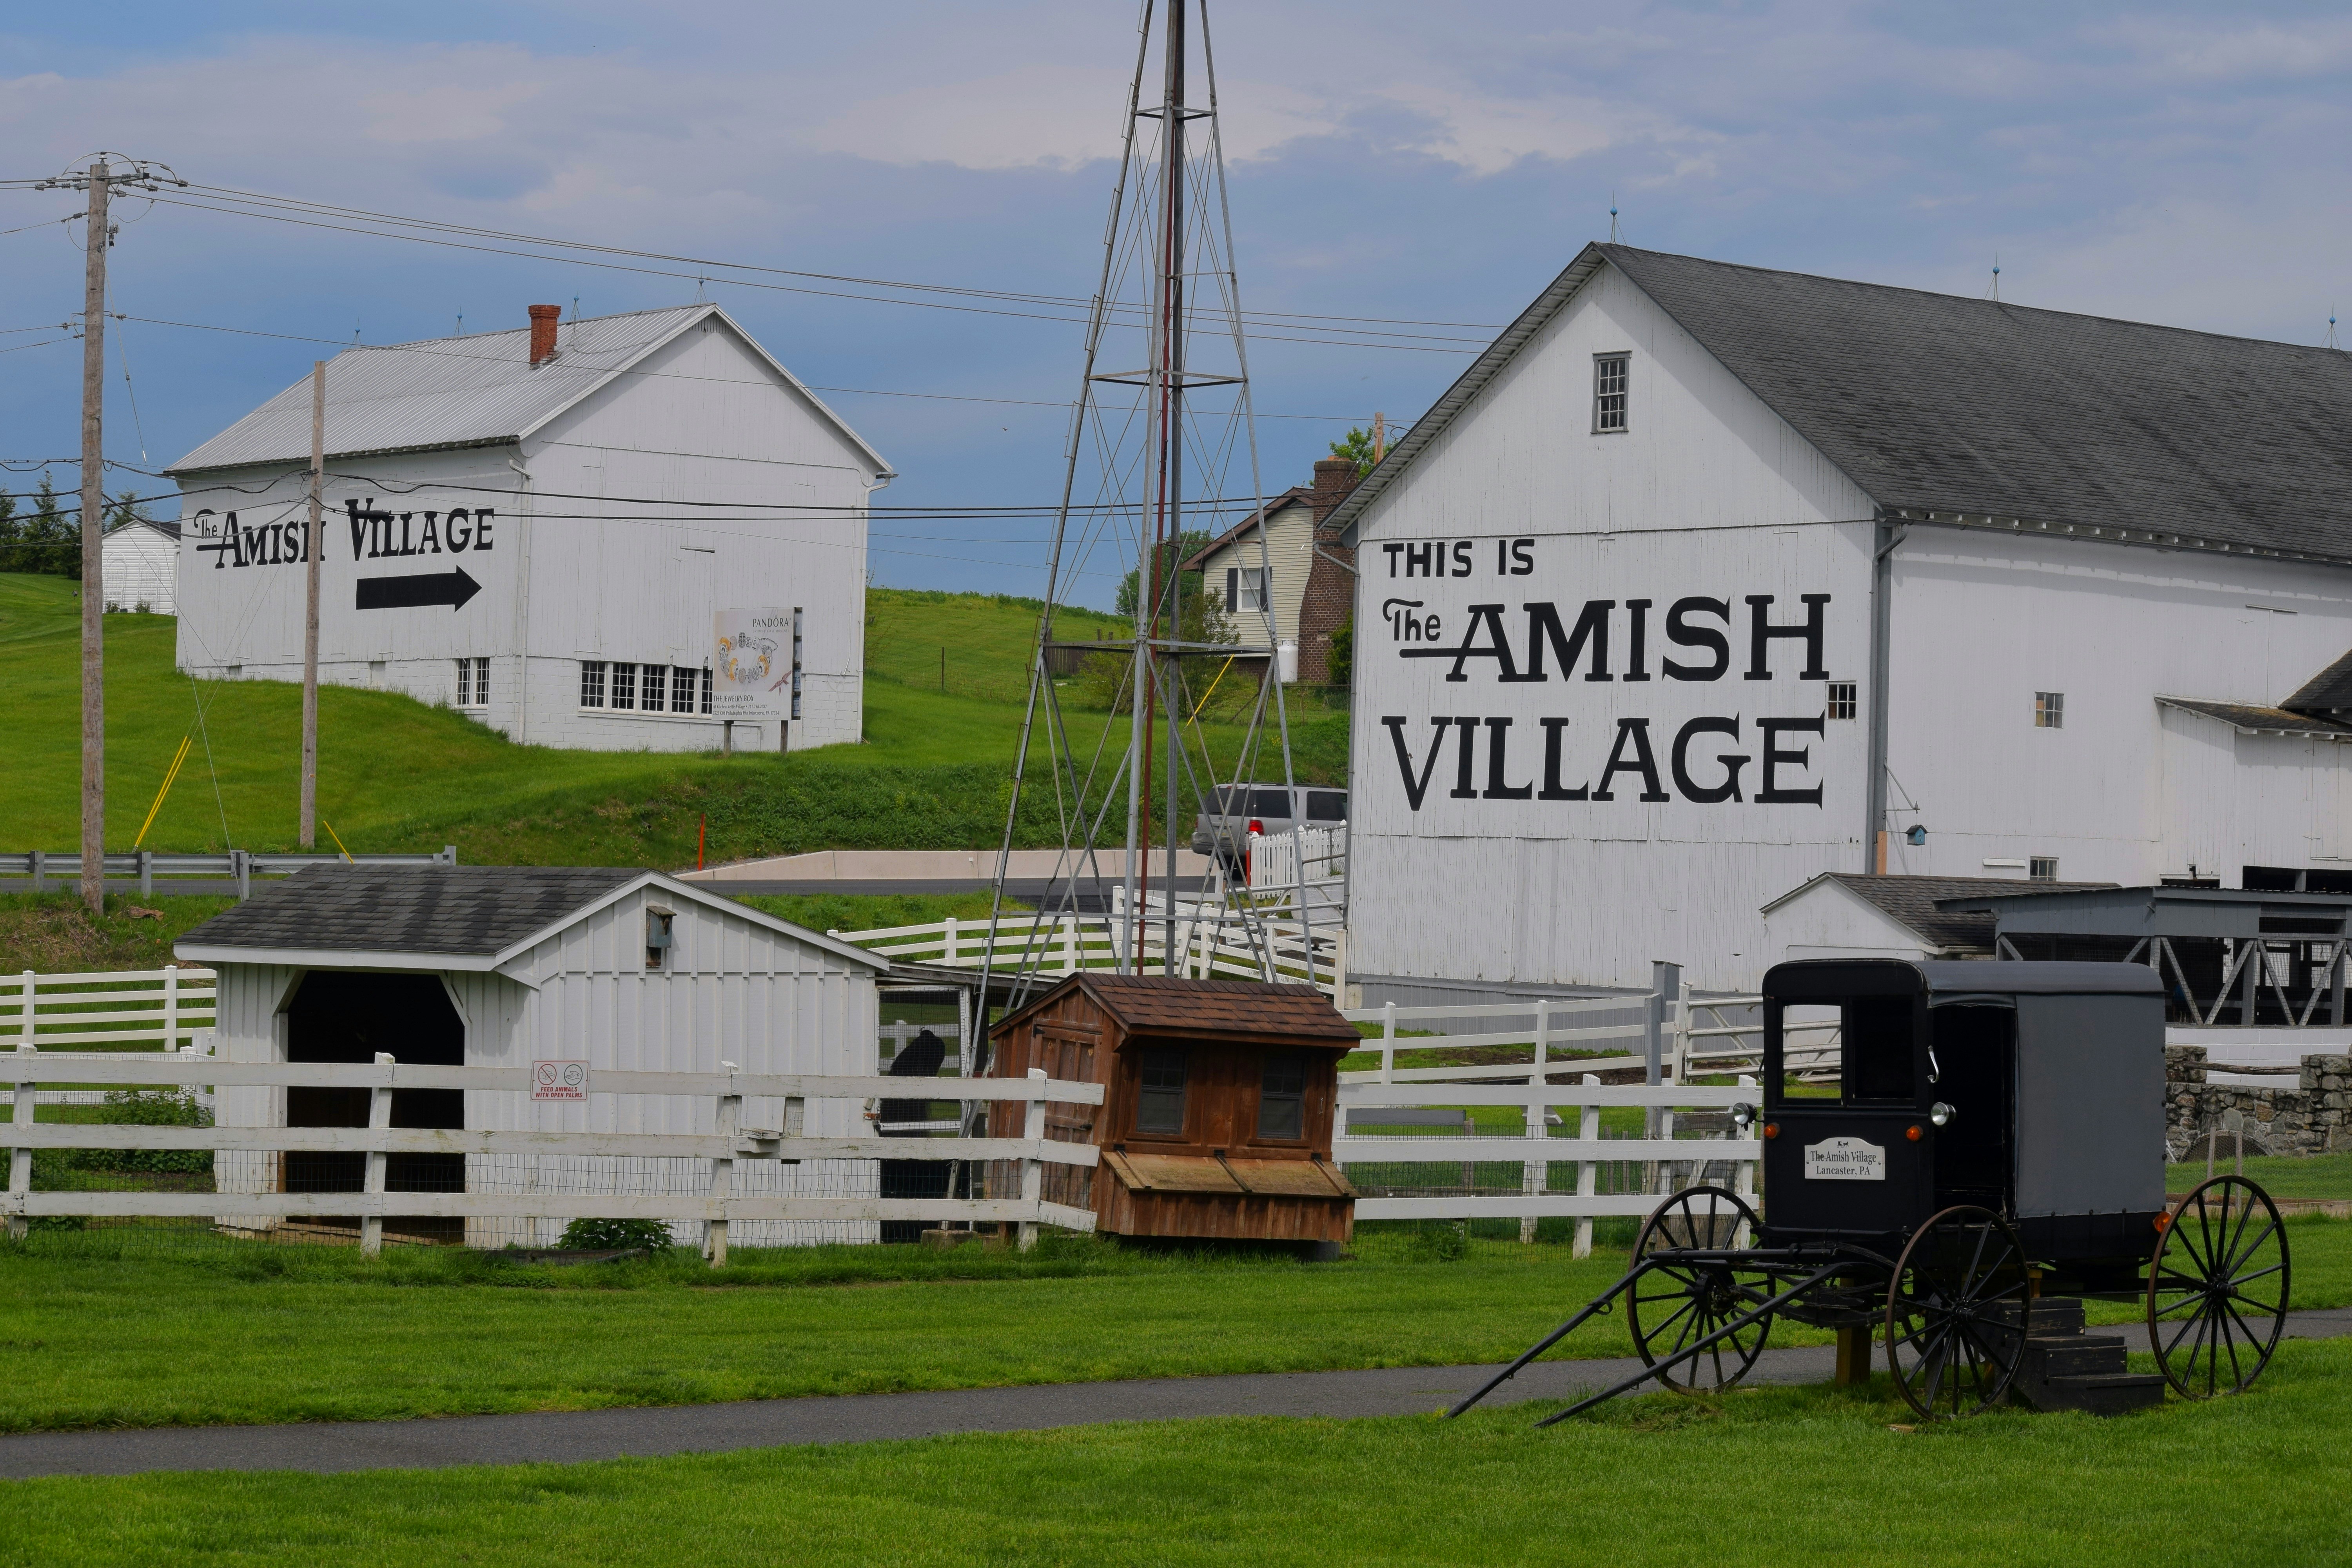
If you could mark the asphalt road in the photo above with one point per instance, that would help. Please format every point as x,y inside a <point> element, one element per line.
<point>573,1437</point>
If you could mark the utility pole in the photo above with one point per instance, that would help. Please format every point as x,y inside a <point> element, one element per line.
<point>311,608</point>
<point>99,181</point>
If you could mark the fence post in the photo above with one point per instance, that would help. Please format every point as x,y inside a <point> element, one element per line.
<point>1069,945</point>
<point>241,864</point>
<point>40,870</point>
<point>146,873</point>
<point>25,1023</point>
<point>722,1173</point>
<point>1744,1179</point>
<point>171,1004</point>
<point>948,954</point>
<point>1538,1174</point>
<point>1388,1041</point>
<point>20,1161</point>
<point>1665,981</point>
<point>1588,1172</point>
<point>1032,1170</point>
<point>379,1118</point>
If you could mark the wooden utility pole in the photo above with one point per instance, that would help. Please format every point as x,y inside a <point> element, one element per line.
<point>311,608</point>
<point>93,544</point>
<point>1380,438</point>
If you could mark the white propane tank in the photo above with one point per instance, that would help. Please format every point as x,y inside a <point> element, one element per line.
<point>1285,661</point>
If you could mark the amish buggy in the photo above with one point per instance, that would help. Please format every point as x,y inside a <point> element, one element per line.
<point>1991,1155</point>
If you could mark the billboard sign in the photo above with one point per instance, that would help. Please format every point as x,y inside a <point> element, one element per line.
<point>751,664</point>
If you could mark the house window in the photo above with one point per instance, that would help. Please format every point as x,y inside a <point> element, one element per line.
<point>681,689</point>
<point>1282,1096</point>
<point>660,931</point>
<point>653,687</point>
<point>2049,710</point>
<point>1159,1108</point>
<point>1842,702</point>
<point>796,663</point>
<point>473,683</point>
<point>592,683</point>
<point>705,692</point>
<point>624,685</point>
<point>1608,393</point>
<point>2042,869</point>
<point>1246,588</point>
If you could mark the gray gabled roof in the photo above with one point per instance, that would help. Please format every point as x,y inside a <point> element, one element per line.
<point>1913,903</point>
<point>1978,412</point>
<point>2254,718</point>
<point>2329,691</point>
<point>469,917</point>
<point>475,391</point>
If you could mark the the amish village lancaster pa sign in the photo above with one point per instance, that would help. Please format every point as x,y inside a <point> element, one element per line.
<point>1557,682</point>
<point>375,535</point>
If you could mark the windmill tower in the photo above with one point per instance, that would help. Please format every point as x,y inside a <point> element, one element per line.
<point>1161,440</point>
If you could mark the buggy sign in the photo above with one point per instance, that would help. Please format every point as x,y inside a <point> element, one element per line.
<point>1845,1160</point>
<point>559,1080</point>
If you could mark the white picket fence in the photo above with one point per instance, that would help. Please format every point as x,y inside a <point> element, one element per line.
<point>160,1009</point>
<point>730,1146</point>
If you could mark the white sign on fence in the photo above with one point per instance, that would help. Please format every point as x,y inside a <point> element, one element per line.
<point>559,1080</point>
<point>1844,1159</point>
<point>751,664</point>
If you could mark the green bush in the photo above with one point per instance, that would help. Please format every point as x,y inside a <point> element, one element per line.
<point>616,1236</point>
<point>145,1107</point>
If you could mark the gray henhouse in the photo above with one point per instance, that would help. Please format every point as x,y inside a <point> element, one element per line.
<point>502,965</point>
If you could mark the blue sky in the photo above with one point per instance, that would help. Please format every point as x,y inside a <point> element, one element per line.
<point>2182,165</point>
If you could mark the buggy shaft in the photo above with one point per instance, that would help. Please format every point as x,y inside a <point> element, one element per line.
<point>1597,1304</point>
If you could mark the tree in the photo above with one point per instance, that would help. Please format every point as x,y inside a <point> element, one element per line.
<point>1340,664</point>
<point>126,508</point>
<point>1357,448</point>
<point>45,541</point>
<point>1182,548</point>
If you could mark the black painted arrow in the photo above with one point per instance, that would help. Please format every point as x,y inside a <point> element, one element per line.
<point>450,588</point>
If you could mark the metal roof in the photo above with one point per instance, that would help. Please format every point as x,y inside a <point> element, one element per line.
<point>475,391</point>
<point>1972,977</point>
<point>2164,911</point>
<point>1921,904</point>
<point>1982,413</point>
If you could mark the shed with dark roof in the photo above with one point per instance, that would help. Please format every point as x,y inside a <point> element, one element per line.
<point>506,965</point>
<point>1218,1108</point>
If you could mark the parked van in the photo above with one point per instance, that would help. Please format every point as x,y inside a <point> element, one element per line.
<point>1225,831</point>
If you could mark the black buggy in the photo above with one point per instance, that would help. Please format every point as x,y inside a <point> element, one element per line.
<point>1991,1153</point>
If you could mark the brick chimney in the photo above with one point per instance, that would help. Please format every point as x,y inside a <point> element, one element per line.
<point>1334,476</point>
<point>542,335</point>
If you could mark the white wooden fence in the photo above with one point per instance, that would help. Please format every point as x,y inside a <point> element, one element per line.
<point>162,1008</point>
<point>723,1150</point>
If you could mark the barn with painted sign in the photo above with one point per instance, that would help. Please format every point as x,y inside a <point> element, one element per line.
<point>1706,580</point>
<point>541,527</point>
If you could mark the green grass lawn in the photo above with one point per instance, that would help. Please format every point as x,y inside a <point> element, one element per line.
<point>2281,1176</point>
<point>110,1329</point>
<point>396,774</point>
<point>1796,1476</point>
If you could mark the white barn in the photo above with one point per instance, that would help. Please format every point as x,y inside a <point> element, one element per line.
<point>140,561</point>
<point>537,527</point>
<point>505,965</point>
<point>1706,580</point>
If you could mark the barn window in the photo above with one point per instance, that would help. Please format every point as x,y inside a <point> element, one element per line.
<point>652,687</point>
<point>1246,588</point>
<point>473,683</point>
<point>2049,710</point>
<point>2042,869</point>
<point>796,663</point>
<point>1609,376</point>
<point>706,691</point>
<point>1843,699</point>
<point>1282,1096</point>
<point>1159,1107</point>
<point>660,936</point>
<point>681,689</point>
<point>592,683</point>
<point>624,685</point>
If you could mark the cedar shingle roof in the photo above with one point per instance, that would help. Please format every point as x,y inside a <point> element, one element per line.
<point>474,911</point>
<point>1172,1004</point>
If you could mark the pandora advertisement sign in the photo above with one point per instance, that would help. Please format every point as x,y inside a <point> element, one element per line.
<point>1541,680</point>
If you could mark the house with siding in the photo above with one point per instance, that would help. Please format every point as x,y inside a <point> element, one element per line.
<point>1300,586</point>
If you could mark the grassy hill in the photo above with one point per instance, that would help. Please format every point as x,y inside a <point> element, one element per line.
<point>396,774</point>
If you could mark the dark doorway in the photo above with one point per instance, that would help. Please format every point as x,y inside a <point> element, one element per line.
<point>1975,1063</point>
<point>347,1015</point>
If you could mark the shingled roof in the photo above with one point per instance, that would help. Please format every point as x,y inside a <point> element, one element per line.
<point>1993,414</point>
<point>1910,902</point>
<point>1169,1004</point>
<point>2254,719</point>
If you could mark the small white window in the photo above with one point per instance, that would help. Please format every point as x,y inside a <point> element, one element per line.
<point>473,683</point>
<point>624,685</point>
<point>681,688</point>
<point>1245,589</point>
<point>2049,710</point>
<point>651,686</point>
<point>2042,869</point>
<point>1843,701</point>
<point>1609,376</point>
<point>464,683</point>
<point>705,692</point>
<point>592,683</point>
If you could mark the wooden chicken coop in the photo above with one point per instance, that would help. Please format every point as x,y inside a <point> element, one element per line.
<point>1218,1107</point>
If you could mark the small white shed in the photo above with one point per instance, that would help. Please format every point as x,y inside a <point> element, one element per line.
<point>141,565</point>
<point>505,965</point>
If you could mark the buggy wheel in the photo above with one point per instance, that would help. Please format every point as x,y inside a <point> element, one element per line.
<point>1676,1304</point>
<point>2217,1289</point>
<point>1955,1313</point>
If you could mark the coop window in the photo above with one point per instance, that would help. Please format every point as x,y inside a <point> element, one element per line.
<point>1244,588</point>
<point>1282,1096</point>
<point>2042,869</point>
<point>660,936</point>
<point>592,683</point>
<point>1843,699</point>
<point>2049,710</point>
<point>681,688</point>
<point>651,687</point>
<point>1875,1046</point>
<point>1609,377</point>
<point>624,685</point>
<point>1160,1105</point>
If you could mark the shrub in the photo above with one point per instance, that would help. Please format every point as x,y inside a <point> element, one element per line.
<point>147,1108</point>
<point>616,1236</point>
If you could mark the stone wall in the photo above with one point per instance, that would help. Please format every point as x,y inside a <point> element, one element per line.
<point>2309,1114</point>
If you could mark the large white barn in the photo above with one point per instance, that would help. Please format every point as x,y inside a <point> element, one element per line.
<point>537,526</point>
<point>1706,580</point>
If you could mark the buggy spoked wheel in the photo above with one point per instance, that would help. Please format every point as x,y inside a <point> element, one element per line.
<point>1955,1313</point>
<point>1676,1304</point>
<point>2217,1289</point>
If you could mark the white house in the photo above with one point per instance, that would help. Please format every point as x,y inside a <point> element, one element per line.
<point>505,965</point>
<point>538,526</point>
<point>140,560</point>
<point>1706,580</point>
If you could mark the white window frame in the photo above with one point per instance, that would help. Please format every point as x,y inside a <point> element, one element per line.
<point>2042,869</point>
<point>1612,390</point>
<point>653,689</point>
<point>1843,700</point>
<point>592,678</point>
<point>613,696</point>
<point>1246,590</point>
<point>2049,710</point>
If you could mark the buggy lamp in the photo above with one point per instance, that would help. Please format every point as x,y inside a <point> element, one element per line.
<point>1771,1130</point>
<point>1743,1116</point>
<point>1941,1114</point>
